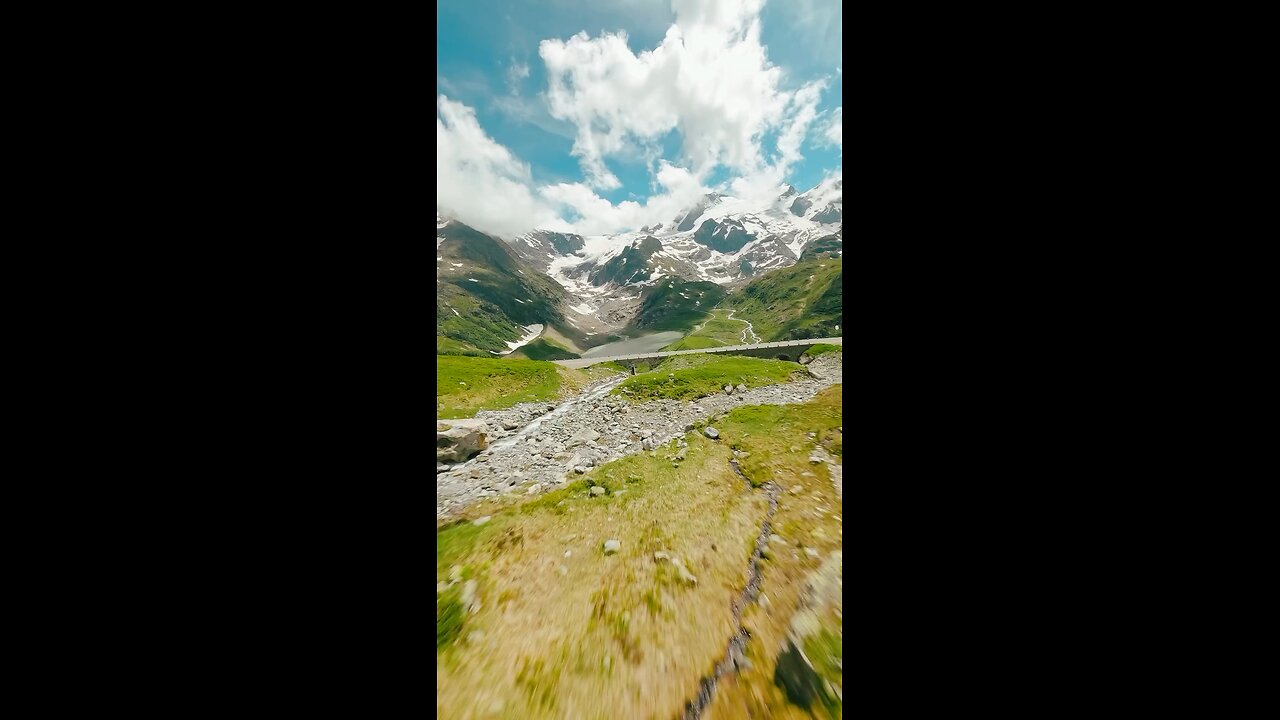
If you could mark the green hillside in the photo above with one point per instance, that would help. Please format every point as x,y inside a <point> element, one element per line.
<point>675,304</point>
<point>793,303</point>
<point>485,295</point>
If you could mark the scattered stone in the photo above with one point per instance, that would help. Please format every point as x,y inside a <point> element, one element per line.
<point>481,520</point>
<point>775,539</point>
<point>469,599</point>
<point>683,572</point>
<point>661,555</point>
<point>597,490</point>
<point>810,552</point>
<point>535,488</point>
<point>611,547</point>
<point>741,388</point>
<point>568,553</point>
<point>508,425</point>
<point>728,389</point>
<point>711,432</point>
<point>796,489</point>
<point>815,460</point>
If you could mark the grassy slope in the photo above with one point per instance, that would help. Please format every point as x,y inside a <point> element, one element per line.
<point>545,349</point>
<point>686,377</point>
<point>717,331</point>
<point>801,301</point>
<point>595,636</point>
<point>674,304</point>
<point>485,294</point>
<point>493,383</point>
<point>822,349</point>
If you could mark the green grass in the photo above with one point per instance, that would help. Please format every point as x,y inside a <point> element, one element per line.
<point>465,384</point>
<point>673,304</point>
<point>823,348</point>
<point>687,377</point>
<point>545,349</point>
<point>794,303</point>
<point>769,432</point>
<point>449,346</point>
<point>717,331</point>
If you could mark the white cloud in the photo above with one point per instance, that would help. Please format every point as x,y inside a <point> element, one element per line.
<point>833,130</point>
<point>599,216</point>
<point>709,78</point>
<point>480,182</point>
<point>516,72</point>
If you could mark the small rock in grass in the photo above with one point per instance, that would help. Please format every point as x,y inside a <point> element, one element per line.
<point>711,432</point>
<point>481,520</point>
<point>611,547</point>
<point>814,459</point>
<point>661,555</point>
<point>581,470</point>
<point>597,490</point>
<point>535,488</point>
<point>776,539</point>
<point>741,388</point>
<point>728,389</point>
<point>796,490</point>
<point>811,552</point>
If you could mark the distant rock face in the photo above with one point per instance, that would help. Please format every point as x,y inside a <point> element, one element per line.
<point>800,207</point>
<point>461,440</point>
<point>830,214</point>
<point>724,236</point>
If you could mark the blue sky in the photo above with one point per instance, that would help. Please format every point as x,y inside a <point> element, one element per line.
<point>659,101</point>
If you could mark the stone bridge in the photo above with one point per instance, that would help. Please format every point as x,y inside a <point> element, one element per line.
<point>783,350</point>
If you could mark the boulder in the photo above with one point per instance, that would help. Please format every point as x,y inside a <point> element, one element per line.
<point>585,435</point>
<point>805,359</point>
<point>741,388</point>
<point>797,676</point>
<point>711,432</point>
<point>728,389</point>
<point>611,547</point>
<point>597,490</point>
<point>462,440</point>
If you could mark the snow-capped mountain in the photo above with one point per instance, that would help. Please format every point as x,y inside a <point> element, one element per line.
<point>721,239</point>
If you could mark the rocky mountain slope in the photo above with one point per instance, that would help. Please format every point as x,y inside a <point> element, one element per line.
<point>660,277</point>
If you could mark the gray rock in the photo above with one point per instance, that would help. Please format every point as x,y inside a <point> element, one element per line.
<point>462,440</point>
<point>580,470</point>
<point>776,540</point>
<point>534,489</point>
<point>585,435</point>
<point>597,490</point>
<point>508,425</point>
<point>661,555</point>
<point>711,432</point>
<point>611,547</point>
<point>741,388</point>
<point>481,520</point>
<point>728,389</point>
<point>441,467</point>
<point>814,459</point>
<point>805,359</point>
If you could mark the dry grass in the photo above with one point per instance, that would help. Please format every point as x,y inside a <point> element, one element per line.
<point>613,636</point>
<point>621,636</point>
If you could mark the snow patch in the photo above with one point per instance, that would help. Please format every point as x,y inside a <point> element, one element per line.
<point>533,332</point>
